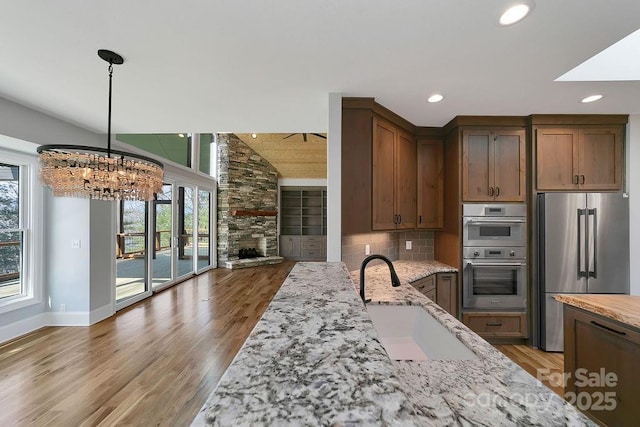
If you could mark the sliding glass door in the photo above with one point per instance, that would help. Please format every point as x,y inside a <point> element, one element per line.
<point>162,242</point>
<point>162,259</point>
<point>204,226</point>
<point>131,253</point>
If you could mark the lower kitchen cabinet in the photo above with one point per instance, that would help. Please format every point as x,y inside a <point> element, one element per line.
<point>496,324</point>
<point>441,288</point>
<point>601,361</point>
<point>447,292</point>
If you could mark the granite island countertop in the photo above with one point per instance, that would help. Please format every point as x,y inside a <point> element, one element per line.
<point>622,308</point>
<point>315,359</point>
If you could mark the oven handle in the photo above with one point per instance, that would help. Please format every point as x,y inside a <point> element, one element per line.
<point>495,264</point>
<point>495,221</point>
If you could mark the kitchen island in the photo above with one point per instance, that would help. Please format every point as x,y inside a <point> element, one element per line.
<point>601,350</point>
<point>315,359</point>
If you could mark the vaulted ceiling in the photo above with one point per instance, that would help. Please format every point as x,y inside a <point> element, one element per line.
<point>250,66</point>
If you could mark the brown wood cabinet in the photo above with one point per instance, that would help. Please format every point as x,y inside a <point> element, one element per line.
<point>391,167</point>
<point>441,288</point>
<point>493,165</point>
<point>602,349</point>
<point>447,292</point>
<point>579,158</point>
<point>394,177</point>
<point>430,183</point>
<point>496,325</point>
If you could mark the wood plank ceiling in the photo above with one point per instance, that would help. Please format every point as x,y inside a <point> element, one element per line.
<point>293,157</point>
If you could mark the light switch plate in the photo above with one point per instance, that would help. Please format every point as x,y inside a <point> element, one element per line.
<point>367,249</point>
<point>408,244</point>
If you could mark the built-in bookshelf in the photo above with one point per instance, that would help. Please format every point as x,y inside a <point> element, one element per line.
<point>303,222</point>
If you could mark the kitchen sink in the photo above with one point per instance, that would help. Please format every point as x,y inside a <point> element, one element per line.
<point>408,332</point>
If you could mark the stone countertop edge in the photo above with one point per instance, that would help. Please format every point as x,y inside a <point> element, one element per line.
<point>622,308</point>
<point>315,359</point>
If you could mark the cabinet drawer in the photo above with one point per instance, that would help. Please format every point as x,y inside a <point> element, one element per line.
<point>496,324</point>
<point>311,244</point>
<point>425,285</point>
<point>312,253</point>
<point>312,239</point>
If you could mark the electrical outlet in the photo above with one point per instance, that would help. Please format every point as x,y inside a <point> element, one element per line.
<point>408,244</point>
<point>367,249</point>
<point>75,244</point>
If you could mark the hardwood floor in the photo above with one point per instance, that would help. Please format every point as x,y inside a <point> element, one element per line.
<point>153,363</point>
<point>547,367</point>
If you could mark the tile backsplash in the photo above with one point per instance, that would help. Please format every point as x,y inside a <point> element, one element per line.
<point>390,244</point>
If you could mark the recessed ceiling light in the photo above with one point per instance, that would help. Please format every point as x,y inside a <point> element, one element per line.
<point>514,14</point>
<point>436,97</point>
<point>591,98</point>
<point>254,136</point>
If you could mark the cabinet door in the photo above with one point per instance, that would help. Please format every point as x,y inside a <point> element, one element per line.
<point>600,158</point>
<point>290,246</point>
<point>477,156</point>
<point>447,292</point>
<point>556,159</point>
<point>606,349</point>
<point>405,180</point>
<point>383,213</point>
<point>509,165</point>
<point>430,184</point>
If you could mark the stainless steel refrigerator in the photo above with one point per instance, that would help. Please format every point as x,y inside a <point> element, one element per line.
<point>583,244</point>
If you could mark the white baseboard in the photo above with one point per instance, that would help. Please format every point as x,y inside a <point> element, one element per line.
<point>50,318</point>
<point>68,318</point>
<point>101,313</point>
<point>22,327</point>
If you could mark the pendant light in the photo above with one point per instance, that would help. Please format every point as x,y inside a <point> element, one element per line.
<point>98,173</point>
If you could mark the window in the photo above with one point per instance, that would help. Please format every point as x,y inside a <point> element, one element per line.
<point>11,232</point>
<point>19,193</point>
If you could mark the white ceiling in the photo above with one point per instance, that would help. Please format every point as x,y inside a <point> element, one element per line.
<point>268,66</point>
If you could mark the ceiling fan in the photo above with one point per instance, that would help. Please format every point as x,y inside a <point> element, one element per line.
<point>304,136</point>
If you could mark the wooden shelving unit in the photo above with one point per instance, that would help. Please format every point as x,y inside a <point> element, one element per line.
<point>303,222</point>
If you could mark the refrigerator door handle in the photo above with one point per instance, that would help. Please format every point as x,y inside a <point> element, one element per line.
<point>592,247</point>
<point>582,247</point>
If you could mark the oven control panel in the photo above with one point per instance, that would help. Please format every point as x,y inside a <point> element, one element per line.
<point>494,253</point>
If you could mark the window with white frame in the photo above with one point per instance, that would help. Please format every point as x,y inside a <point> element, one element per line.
<point>17,232</point>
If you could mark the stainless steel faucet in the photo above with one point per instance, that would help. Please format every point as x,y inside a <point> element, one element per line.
<point>395,282</point>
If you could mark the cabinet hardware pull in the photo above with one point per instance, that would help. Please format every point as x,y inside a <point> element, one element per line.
<point>497,191</point>
<point>593,322</point>
<point>395,218</point>
<point>494,324</point>
<point>491,191</point>
<point>419,219</point>
<point>399,219</point>
<point>582,179</point>
<point>576,179</point>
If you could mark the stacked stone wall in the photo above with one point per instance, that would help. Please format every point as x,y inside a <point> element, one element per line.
<point>246,181</point>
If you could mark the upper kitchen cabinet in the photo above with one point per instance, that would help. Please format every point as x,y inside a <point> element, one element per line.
<point>586,155</point>
<point>430,183</point>
<point>378,168</point>
<point>493,165</point>
<point>394,177</point>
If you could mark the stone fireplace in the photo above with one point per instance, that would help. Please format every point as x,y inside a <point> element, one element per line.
<point>247,202</point>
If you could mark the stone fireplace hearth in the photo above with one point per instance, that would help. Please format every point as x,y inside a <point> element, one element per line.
<point>247,204</point>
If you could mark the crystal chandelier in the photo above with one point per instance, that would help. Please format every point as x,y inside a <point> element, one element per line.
<point>98,173</point>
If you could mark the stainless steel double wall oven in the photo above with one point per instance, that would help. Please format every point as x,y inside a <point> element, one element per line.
<point>494,256</point>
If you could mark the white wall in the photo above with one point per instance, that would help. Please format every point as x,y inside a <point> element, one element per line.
<point>66,278</point>
<point>633,188</point>
<point>334,179</point>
